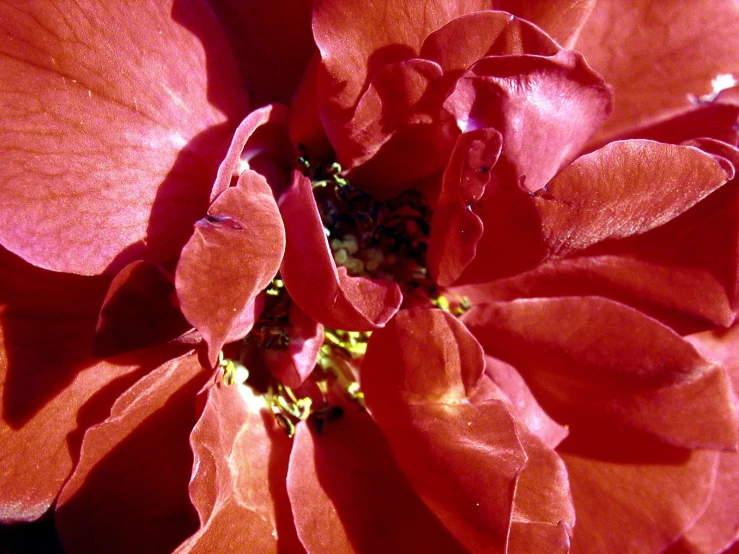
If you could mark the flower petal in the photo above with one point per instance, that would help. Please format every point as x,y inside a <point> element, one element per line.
<point>327,294</point>
<point>562,19</point>
<point>635,496</point>
<point>134,468</point>
<point>600,366</point>
<point>667,54</point>
<point>238,480</point>
<point>107,108</point>
<point>462,458</point>
<point>349,495</point>
<point>51,387</point>
<point>272,45</point>
<point>455,228</point>
<point>546,108</point>
<point>138,311</point>
<point>234,254</point>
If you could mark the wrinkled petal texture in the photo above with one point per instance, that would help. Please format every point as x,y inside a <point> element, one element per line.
<point>598,366</point>
<point>545,108</point>
<point>349,495</point>
<point>107,107</point>
<point>238,481</point>
<point>138,457</point>
<point>327,293</point>
<point>659,54</point>
<point>463,459</point>
<point>234,254</point>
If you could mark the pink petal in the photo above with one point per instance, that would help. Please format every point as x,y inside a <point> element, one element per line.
<point>327,294</point>
<point>232,166</point>
<point>455,229</point>
<point>348,494</point>
<point>718,527</point>
<point>51,387</point>
<point>293,365</point>
<point>234,254</point>
<point>523,404</point>
<point>110,156</point>
<point>462,458</point>
<point>635,496</point>
<point>238,480</point>
<point>134,468</point>
<point>545,108</point>
<point>597,365</point>
<point>624,189</point>
<point>138,311</point>
<point>465,40</point>
<point>659,55</point>
<point>562,19</point>
<point>379,34</point>
<point>272,44</point>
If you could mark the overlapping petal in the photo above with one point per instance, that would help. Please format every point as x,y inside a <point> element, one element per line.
<point>326,293</point>
<point>462,458</point>
<point>599,366</point>
<point>562,19</point>
<point>107,107</point>
<point>234,254</point>
<point>139,456</point>
<point>237,486</point>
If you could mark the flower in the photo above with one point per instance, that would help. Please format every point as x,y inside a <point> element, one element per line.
<point>504,313</point>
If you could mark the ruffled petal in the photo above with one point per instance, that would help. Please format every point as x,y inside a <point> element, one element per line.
<point>52,389</point>
<point>599,366</point>
<point>546,109</point>
<point>104,109</point>
<point>134,469</point>
<point>462,458</point>
<point>327,293</point>
<point>635,496</point>
<point>234,254</point>
<point>348,494</point>
<point>238,480</point>
<point>455,228</point>
<point>138,311</point>
<point>667,55</point>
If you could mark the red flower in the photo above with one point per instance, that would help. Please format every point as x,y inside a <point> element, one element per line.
<point>550,292</point>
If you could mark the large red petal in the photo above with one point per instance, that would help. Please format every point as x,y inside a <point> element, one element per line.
<point>238,481</point>
<point>51,387</point>
<point>462,458</point>
<point>659,54</point>
<point>327,294</point>
<point>545,108</point>
<point>234,254</point>
<point>134,468</point>
<point>598,365</point>
<point>111,130</point>
<point>635,496</point>
<point>455,228</point>
<point>349,495</point>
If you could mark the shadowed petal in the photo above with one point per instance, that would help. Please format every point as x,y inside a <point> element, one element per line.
<point>349,495</point>
<point>600,366</point>
<point>134,468</point>
<point>234,254</point>
<point>327,293</point>
<point>108,107</point>
<point>635,496</point>
<point>462,458</point>
<point>238,480</point>
<point>668,52</point>
<point>562,19</point>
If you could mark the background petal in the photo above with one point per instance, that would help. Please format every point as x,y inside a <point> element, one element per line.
<point>107,108</point>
